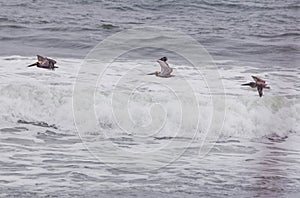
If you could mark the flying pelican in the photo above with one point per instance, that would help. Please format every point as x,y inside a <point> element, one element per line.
<point>165,69</point>
<point>44,62</point>
<point>259,84</point>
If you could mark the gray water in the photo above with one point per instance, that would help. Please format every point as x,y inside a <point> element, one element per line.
<point>45,154</point>
<point>265,32</point>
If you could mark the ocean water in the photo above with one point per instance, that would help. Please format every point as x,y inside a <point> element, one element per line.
<point>153,137</point>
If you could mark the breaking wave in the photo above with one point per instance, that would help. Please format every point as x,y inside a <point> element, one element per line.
<point>44,98</point>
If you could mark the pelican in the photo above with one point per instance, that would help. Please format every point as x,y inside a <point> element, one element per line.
<point>165,69</point>
<point>44,62</point>
<point>259,84</point>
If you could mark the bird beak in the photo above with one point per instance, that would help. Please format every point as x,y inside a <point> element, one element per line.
<point>246,84</point>
<point>34,64</point>
<point>152,73</point>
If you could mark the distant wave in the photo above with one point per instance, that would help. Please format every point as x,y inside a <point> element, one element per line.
<point>249,5</point>
<point>41,124</point>
<point>13,26</point>
<point>288,34</point>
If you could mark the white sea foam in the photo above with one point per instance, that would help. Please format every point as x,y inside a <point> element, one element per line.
<point>141,127</point>
<point>37,95</point>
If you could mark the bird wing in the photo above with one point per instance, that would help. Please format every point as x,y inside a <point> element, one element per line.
<point>258,79</point>
<point>165,69</point>
<point>260,90</point>
<point>40,58</point>
<point>51,61</point>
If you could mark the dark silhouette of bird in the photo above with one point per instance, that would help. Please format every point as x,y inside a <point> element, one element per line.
<point>44,62</point>
<point>259,84</point>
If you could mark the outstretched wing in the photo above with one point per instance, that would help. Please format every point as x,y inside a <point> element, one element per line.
<point>40,58</point>
<point>165,69</point>
<point>258,79</point>
<point>260,90</point>
<point>51,61</point>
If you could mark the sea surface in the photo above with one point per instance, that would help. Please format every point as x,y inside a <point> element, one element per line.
<point>93,128</point>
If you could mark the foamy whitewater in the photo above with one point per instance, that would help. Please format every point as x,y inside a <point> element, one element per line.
<point>256,154</point>
<point>75,132</point>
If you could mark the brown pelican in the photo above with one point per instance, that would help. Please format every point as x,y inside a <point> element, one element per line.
<point>165,69</point>
<point>259,84</point>
<point>44,62</point>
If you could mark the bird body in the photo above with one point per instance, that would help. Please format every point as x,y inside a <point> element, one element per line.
<point>165,69</point>
<point>44,62</point>
<point>259,83</point>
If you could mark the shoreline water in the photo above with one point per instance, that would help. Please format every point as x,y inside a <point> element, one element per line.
<point>44,152</point>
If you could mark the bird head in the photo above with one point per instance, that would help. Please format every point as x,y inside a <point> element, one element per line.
<point>163,59</point>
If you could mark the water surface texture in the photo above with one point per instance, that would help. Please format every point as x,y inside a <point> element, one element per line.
<point>265,31</point>
<point>256,154</point>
